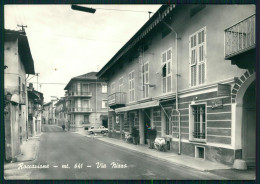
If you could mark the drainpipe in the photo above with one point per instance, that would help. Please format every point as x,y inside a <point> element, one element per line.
<point>177,75</point>
<point>96,105</point>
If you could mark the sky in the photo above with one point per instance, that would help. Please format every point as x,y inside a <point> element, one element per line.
<point>66,43</point>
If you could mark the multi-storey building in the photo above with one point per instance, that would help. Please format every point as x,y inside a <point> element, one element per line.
<point>86,102</point>
<point>175,75</point>
<point>35,101</point>
<point>18,62</point>
<point>49,113</point>
<point>60,113</point>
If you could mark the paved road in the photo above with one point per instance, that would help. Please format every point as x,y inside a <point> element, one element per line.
<point>59,148</point>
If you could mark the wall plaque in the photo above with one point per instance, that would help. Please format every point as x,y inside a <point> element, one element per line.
<point>217,104</point>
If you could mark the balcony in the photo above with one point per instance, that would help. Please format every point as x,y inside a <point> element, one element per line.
<point>117,100</point>
<point>79,110</point>
<point>80,94</point>
<point>240,42</point>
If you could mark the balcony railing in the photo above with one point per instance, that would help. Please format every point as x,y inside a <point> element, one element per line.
<point>118,98</point>
<point>240,37</point>
<point>77,109</point>
<point>80,94</point>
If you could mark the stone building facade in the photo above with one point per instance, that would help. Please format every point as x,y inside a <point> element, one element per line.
<point>192,77</point>
<point>86,102</point>
<point>18,62</point>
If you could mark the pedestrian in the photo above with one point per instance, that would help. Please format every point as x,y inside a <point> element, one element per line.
<point>68,125</point>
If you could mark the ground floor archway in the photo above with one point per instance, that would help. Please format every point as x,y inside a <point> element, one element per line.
<point>249,125</point>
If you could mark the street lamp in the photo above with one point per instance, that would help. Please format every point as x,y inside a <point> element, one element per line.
<point>84,9</point>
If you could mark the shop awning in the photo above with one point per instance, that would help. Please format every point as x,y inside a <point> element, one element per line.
<point>138,106</point>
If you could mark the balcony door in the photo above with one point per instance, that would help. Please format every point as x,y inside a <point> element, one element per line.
<point>85,104</point>
<point>85,88</point>
<point>78,88</point>
<point>78,104</point>
<point>121,84</point>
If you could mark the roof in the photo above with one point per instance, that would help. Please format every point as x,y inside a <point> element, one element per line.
<point>91,76</point>
<point>153,22</point>
<point>23,48</point>
<point>32,95</point>
<point>60,101</point>
<point>35,94</point>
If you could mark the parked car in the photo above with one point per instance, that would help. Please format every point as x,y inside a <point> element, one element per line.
<point>100,129</point>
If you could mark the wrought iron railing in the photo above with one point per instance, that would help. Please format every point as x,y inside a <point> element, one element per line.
<point>117,98</point>
<point>79,109</point>
<point>80,94</point>
<point>240,37</point>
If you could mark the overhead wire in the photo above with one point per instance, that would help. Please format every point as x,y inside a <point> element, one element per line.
<point>50,83</point>
<point>123,10</point>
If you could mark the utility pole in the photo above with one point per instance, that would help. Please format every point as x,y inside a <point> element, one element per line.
<point>22,26</point>
<point>37,74</point>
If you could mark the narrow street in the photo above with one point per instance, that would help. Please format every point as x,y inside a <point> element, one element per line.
<point>94,159</point>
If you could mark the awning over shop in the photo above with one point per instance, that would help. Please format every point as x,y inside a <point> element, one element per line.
<point>138,106</point>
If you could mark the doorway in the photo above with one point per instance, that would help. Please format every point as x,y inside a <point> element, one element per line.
<point>249,126</point>
<point>104,123</point>
<point>131,121</point>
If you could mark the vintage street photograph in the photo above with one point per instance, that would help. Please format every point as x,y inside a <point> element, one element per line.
<point>129,92</point>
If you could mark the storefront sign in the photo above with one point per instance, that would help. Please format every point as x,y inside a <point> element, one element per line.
<point>224,90</point>
<point>217,104</point>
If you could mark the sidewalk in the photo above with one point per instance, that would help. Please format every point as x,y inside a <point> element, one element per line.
<point>29,150</point>
<point>181,160</point>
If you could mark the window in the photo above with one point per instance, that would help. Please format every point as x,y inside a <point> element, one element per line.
<point>198,122</point>
<point>167,121</point>
<point>78,103</point>
<point>19,85</point>
<point>145,79</point>
<point>121,84</point>
<point>197,43</point>
<point>167,71</point>
<point>131,86</point>
<point>78,87</point>
<point>23,90</point>
<point>104,88</point>
<point>85,88</point>
<point>85,104</point>
<point>112,87</point>
<point>104,104</point>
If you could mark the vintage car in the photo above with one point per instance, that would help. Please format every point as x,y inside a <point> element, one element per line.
<point>100,129</point>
